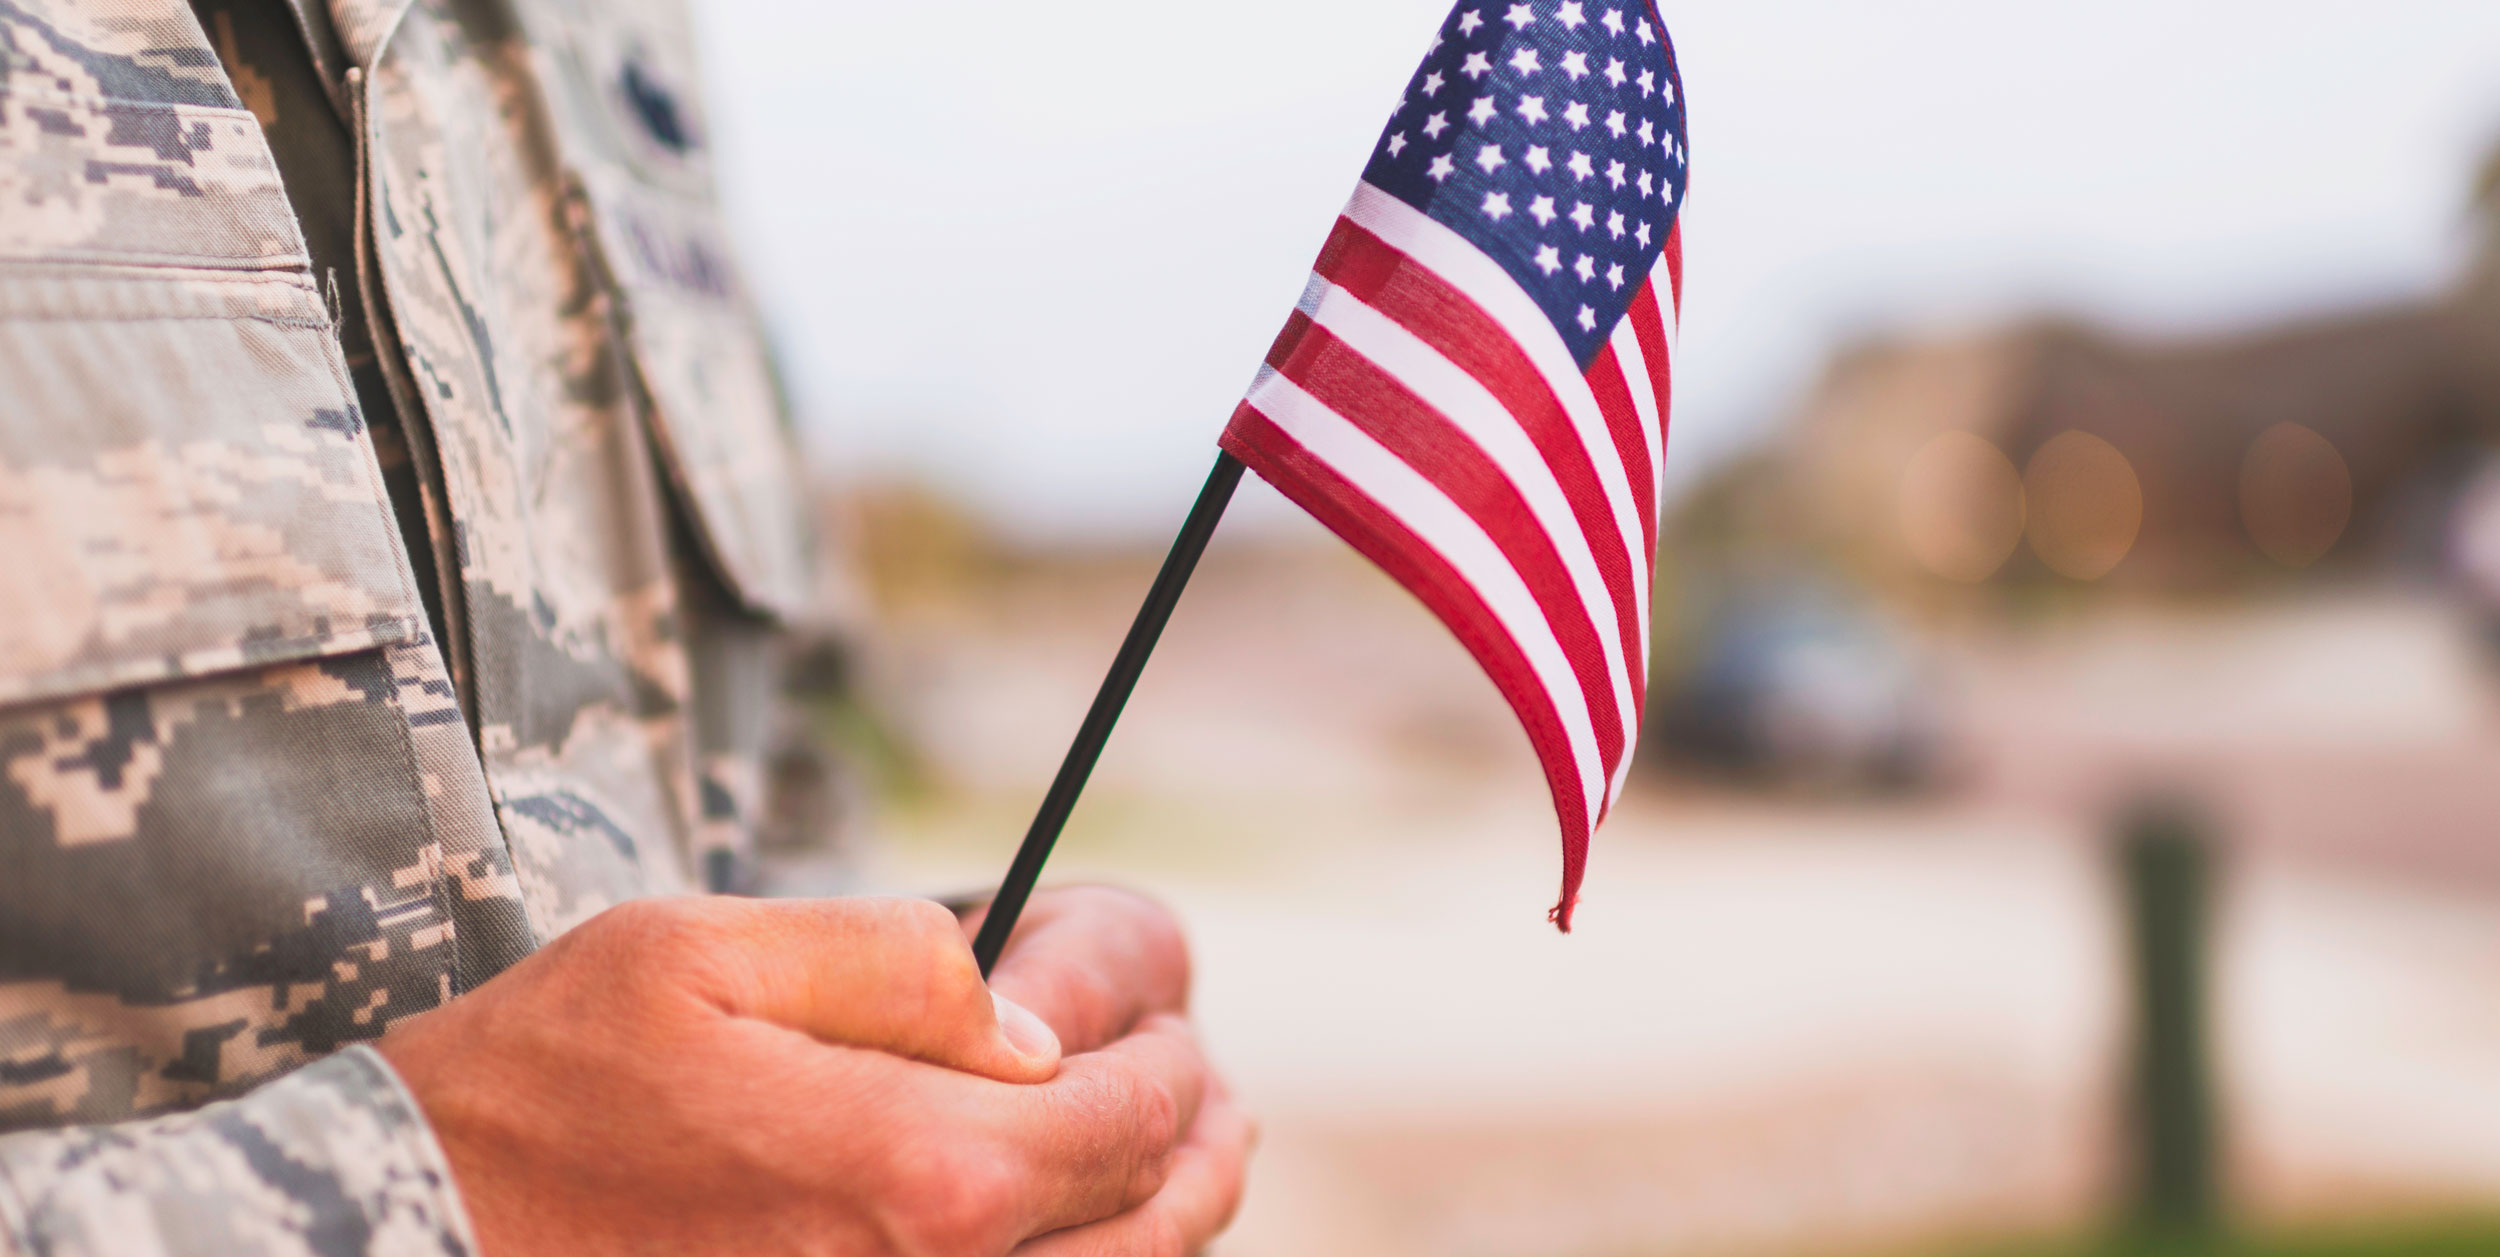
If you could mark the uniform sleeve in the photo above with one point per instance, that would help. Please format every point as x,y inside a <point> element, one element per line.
<point>333,1160</point>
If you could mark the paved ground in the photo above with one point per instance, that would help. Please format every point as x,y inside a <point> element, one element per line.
<point>1780,1026</point>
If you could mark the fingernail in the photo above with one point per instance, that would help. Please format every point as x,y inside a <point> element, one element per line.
<point>1026,1032</point>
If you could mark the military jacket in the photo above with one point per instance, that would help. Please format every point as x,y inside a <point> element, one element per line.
<point>255,805</point>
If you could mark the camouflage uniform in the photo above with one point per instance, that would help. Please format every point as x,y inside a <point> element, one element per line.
<point>380,595</point>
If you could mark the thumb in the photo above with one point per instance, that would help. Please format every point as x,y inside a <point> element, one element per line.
<point>893,975</point>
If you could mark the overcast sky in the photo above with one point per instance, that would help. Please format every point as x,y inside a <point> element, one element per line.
<point>1033,252</point>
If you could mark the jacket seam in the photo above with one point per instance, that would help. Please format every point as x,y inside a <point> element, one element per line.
<point>436,855</point>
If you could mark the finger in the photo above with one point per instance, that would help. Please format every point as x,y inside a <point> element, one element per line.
<point>1098,1140</point>
<point>1092,961</point>
<point>1197,1202</point>
<point>894,975</point>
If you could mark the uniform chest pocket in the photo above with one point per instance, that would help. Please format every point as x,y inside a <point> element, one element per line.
<point>630,133</point>
<point>226,747</point>
<point>717,411</point>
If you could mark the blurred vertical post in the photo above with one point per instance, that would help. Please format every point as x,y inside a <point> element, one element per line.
<point>2167,861</point>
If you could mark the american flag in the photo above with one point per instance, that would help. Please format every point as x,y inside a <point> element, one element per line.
<point>1473,389</point>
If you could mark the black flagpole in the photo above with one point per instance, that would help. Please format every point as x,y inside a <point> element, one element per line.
<point>1090,736</point>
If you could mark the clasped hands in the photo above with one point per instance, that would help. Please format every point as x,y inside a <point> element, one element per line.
<point>699,1076</point>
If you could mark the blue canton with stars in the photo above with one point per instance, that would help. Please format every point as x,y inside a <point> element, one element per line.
<point>1551,136</point>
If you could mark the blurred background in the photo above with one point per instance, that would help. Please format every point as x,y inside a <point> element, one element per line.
<point>2069,814</point>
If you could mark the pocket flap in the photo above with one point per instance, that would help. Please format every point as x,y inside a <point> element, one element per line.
<point>185,487</point>
<point>718,409</point>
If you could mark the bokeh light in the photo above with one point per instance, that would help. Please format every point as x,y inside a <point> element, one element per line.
<point>1961,507</point>
<point>2295,494</point>
<point>2084,505</point>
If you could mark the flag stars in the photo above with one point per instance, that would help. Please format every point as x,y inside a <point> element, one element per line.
<point>1482,100</point>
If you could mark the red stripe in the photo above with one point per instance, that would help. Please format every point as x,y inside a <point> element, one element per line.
<point>1675,264</point>
<point>1623,422</point>
<point>1356,388</point>
<point>1378,535</point>
<point>1413,296</point>
<point>1652,334</point>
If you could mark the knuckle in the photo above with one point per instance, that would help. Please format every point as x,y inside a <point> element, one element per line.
<point>1157,1118</point>
<point>1153,1135</point>
<point>950,1199</point>
<point>674,942</point>
<point>945,984</point>
<point>1154,927</point>
<point>927,921</point>
<point>1164,1237</point>
<point>653,929</point>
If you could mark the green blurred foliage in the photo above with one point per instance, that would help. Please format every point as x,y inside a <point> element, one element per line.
<point>2457,1238</point>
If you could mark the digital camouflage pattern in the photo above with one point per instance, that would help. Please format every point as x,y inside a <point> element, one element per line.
<point>256,802</point>
<point>332,1159</point>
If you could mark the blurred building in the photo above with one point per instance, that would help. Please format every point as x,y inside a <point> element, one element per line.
<point>2050,463</point>
<point>2055,451</point>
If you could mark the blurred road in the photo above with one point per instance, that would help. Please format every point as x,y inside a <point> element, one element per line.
<point>1781,1025</point>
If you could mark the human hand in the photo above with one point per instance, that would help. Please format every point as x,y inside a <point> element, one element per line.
<point>1095,963</point>
<point>695,1076</point>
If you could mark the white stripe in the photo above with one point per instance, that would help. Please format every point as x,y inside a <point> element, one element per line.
<point>1482,280</point>
<point>1474,411</point>
<point>1415,502</point>
<point>1646,403</point>
<point>1668,296</point>
<point>1627,345</point>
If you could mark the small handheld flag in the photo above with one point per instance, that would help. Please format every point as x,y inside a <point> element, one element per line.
<point>1473,390</point>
